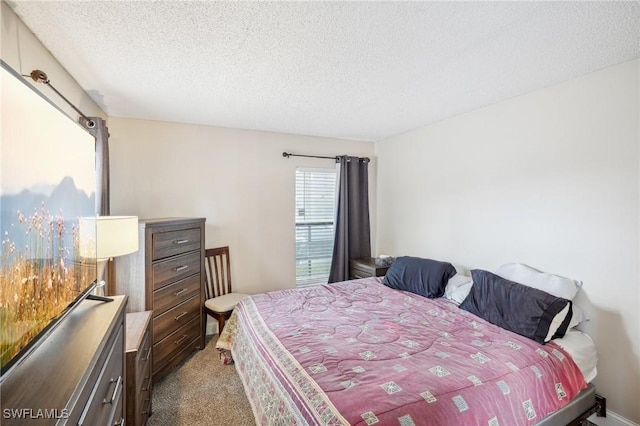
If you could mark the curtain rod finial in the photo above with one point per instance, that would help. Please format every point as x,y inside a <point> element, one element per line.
<point>286,154</point>
<point>39,76</point>
<point>87,122</point>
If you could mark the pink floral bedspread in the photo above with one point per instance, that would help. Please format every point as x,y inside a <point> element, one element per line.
<point>360,353</point>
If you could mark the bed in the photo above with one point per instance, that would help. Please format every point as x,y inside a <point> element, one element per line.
<point>361,353</point>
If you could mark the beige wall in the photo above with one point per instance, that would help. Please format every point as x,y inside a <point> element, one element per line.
<point>23,52</point>
<point>550,179</point>
<point>236,179</point>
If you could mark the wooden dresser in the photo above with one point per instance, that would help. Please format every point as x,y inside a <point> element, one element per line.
<point>166,277</point>
<point>76,375</point>
<point>366,267</point>
<point>138,343</point>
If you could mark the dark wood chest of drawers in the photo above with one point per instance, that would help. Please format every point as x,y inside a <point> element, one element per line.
<point>76,375</point>
<point>366,267</point>
<point>138,367</point>
<point>166,277</point>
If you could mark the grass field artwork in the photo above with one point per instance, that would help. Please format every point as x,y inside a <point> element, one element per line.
<point>39,276</point>
<point>47,183</point>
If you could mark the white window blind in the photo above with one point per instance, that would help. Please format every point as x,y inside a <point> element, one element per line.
<point>315,211</point>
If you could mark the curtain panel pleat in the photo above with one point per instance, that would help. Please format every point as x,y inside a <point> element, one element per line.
<point>101,133</point>
<point>352,228</point>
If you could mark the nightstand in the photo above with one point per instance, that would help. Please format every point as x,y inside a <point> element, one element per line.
<point>138,366</point>
<point>365,267</point>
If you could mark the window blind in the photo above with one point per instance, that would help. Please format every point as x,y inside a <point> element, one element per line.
<point>315,211</point>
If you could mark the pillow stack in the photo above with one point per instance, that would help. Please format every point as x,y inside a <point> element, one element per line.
<point>523,309</point>
<point>552,284</point>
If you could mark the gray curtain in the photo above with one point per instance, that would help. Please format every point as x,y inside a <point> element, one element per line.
<point>101,133</point>
<point>352,231</point>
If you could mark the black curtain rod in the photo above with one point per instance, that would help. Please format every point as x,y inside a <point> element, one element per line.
<point>288,154</point>
<point>41,77</point>
<point>337,157</point>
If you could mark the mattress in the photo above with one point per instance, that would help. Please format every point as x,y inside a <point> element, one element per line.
<point>360,353</point>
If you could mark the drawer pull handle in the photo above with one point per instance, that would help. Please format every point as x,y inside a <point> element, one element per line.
<point>180,268</point>
<point>120,423</point>
<point>147,355</point>
<point>181,315</point>
<point>180,241</point>
<point>146,388</point>
<point>181,292</point>
<point>182,339</point>
<point>115,390</point>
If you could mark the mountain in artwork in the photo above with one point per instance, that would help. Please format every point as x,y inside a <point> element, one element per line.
<point>65,200</point>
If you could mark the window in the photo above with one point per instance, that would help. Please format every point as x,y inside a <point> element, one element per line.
<point>315,211</point>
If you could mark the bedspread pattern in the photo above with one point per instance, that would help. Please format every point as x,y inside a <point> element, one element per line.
<point>360,353</point>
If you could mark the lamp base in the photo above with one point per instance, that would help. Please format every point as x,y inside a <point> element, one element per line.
<point>101,266</point>
<point>98,291</point>
<point>99,298</point>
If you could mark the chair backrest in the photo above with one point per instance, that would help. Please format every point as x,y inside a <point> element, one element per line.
<point>217,267</point>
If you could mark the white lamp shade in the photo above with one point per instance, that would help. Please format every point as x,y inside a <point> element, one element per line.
<point>114,236</point>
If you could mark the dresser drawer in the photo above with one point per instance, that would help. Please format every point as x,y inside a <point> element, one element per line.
<point>176,293</point>
<point>143,403</point>
<point>139,340</point>
<point>145,349</point>
<point>108,389</point>
<point>176,268</point>
<point>167,323</point>
<point>145,410</point>
<point>145,382</point>
<point>171,243</point>
<point>170,345</point>
<point>355,274</point>
<point>364,268</point>
<point>143,364</point>
<point>117,419</point>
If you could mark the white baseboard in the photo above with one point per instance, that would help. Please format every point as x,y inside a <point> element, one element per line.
<point>612,419</point>
<point>621,419</point>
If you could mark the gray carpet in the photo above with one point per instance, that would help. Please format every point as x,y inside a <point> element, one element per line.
<point>201,391</point>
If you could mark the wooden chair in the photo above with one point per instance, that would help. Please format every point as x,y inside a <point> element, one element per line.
<point>220,298</point>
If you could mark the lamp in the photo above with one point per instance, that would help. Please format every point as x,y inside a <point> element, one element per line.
<point>113,236</point>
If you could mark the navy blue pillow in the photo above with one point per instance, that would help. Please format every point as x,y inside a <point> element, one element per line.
<point>425,277</point>
<point>516,307</point>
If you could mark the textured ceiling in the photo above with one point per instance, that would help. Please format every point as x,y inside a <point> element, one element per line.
<point>354,70</point>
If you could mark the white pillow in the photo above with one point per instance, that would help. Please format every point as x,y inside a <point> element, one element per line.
<point>454,282</point>
<point>579,316</point>
<point>583,351</point>
<point>557,321</point>
<point>460,293</point>
<point>552,284</point>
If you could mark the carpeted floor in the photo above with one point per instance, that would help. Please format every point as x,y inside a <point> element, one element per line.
<point>201,391</point>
